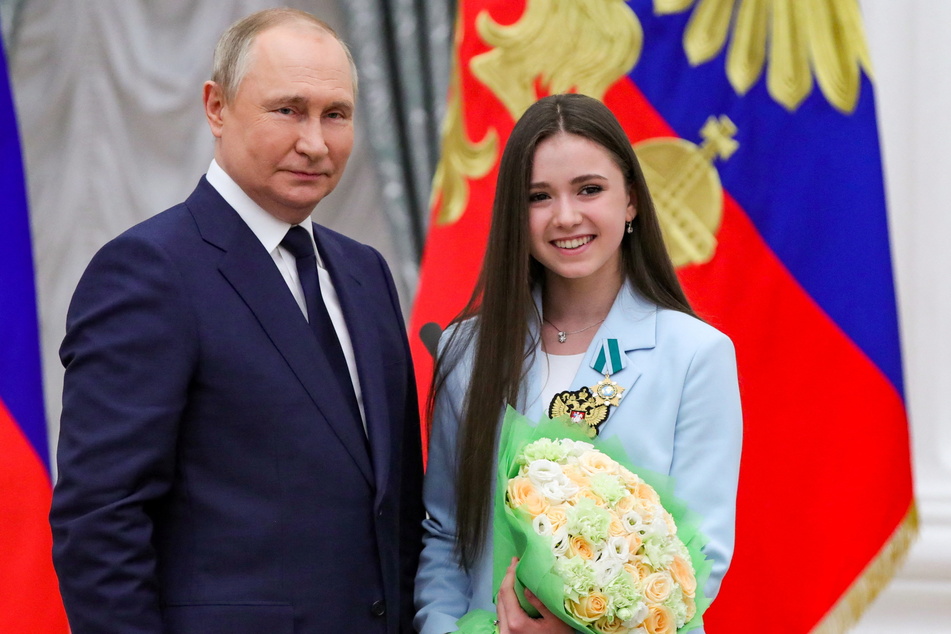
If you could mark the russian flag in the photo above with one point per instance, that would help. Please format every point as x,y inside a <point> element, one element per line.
<point>29,600</point>
<point>755,124</point>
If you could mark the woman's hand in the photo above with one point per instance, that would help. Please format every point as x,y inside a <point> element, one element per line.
<point>514,620</point>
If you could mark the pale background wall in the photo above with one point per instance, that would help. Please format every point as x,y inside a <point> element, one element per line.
<point>911,52</point>
<point>108,95</point>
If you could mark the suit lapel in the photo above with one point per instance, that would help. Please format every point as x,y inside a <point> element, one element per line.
<point>251,272</point>
<point>369,348</point>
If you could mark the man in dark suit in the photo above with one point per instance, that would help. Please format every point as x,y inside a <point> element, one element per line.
<point>239,446</point>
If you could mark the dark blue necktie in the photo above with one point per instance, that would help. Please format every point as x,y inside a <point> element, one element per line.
<point>298,242</point>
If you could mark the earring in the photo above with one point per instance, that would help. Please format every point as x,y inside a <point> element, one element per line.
<point>630,226</point>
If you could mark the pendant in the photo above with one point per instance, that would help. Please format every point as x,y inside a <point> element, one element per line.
<point>562,336</point>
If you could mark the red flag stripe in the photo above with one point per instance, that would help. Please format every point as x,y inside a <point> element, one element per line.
<point>26,568</point>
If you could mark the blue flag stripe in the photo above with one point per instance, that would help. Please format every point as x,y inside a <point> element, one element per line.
<point>20,373</point>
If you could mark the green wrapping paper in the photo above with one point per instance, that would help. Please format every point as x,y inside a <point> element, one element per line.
<point>515,537</point>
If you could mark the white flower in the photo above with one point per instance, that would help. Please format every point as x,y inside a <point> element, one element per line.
<point>638,613</point>
<point>550,481</point>
<point>657,529</point>
<point>632,522</point>
<point>618,548</point>
<point>606,568</point>
<point>577,447</point>
<point>542,470</point>
<point>542,524</point>
<point>559,542</point>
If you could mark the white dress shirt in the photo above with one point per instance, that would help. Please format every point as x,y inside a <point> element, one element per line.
<point>270,231</point>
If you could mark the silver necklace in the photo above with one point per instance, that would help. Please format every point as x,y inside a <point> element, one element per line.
<point>563,334</point>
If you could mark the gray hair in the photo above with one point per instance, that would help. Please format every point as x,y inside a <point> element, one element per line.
<point>232,52</point>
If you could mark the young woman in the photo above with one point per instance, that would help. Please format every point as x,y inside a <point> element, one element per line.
<point>575,260</point>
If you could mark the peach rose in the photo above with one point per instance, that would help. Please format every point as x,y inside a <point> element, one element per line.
<point>523,494</point>
<point>616,528</point>
<point>634,542</point>
<point>557,516</point>
<point>589,608</point>
<point>625,505</point>
<point>644,569</point>
<point>591,495</point>
<point>683,574</point>
<point>639,570</point>
<point>610,626</point>
<point>573,473</point>
<point>657,587</point>
<point>691,607</point>
<point>591,462</point>
<point>645,509</point>
<point>632,570</point>
<point>646,492</point>
<point>630,479</point>
<point>659,620</point>
<point>581,547</point>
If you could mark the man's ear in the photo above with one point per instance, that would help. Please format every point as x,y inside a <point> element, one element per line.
<point>214,101</point>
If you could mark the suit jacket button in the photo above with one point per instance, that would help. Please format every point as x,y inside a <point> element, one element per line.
<point>378,608</point>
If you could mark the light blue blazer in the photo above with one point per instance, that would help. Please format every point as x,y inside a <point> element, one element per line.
<point>679,415</point>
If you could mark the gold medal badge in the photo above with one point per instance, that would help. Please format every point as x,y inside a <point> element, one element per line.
<point>607,392</point>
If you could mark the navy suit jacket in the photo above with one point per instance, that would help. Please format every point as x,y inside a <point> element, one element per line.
<point>211,477</point>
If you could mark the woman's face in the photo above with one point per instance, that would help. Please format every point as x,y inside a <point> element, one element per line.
<point>578,204</point>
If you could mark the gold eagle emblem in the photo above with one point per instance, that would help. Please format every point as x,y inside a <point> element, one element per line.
<point>580,407</point>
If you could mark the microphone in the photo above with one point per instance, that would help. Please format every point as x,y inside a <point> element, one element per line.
<point>429,335</point>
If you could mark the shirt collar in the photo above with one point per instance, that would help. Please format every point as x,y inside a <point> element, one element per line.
<point>268,229</point>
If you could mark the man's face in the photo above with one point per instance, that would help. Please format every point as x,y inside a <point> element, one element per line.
<point>286,136</point>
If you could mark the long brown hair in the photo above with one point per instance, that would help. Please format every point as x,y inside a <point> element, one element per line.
<point>502,300</point>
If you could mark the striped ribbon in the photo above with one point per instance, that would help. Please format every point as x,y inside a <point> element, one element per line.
<point>609,358</point>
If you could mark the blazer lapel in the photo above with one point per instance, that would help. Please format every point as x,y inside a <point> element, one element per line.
<point>632,321</point>
<point>251,272</point>
<point>368,348</point>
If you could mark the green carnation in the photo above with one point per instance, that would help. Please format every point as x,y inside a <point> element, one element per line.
<point>544,449</point>
<point>588,520</point>
<point>623,594</point>
<point>608,487</point>
<point>675,603</point>
<point>658,552</point>
<point>577,575</point>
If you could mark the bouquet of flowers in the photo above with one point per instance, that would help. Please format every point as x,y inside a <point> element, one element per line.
<point>607,550</point>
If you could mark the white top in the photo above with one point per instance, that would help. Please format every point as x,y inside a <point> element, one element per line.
<point>558,373</point>
<point>270,231</point>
